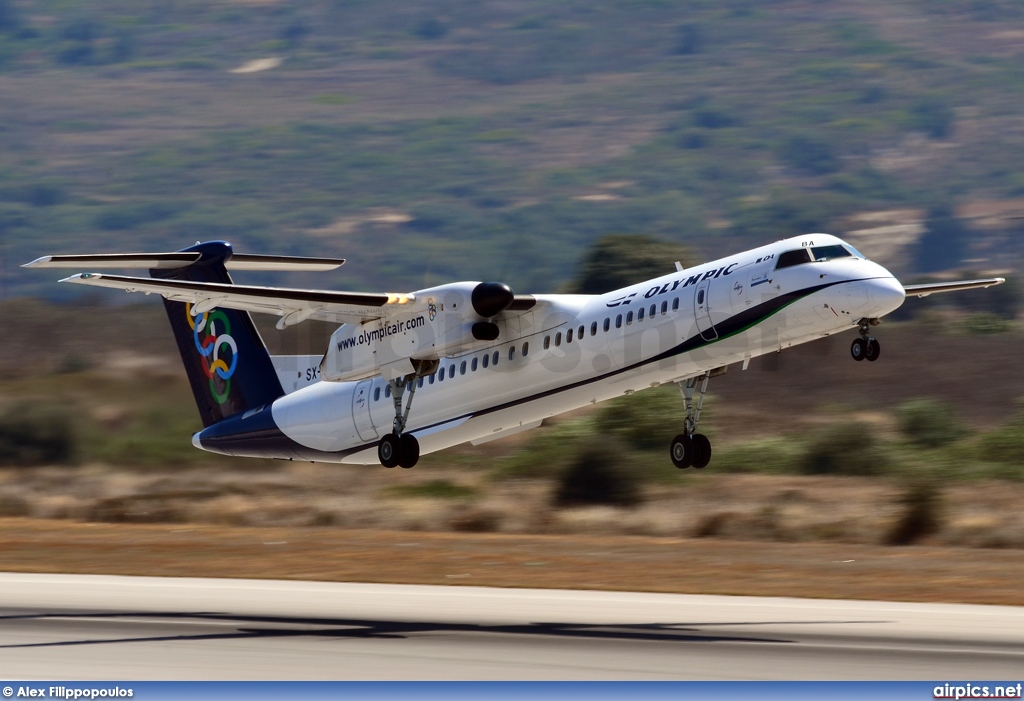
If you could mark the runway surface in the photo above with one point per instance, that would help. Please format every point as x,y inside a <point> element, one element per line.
<point>122,628</point>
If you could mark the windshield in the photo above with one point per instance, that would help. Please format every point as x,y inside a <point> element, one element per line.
<point>854,251</point>
<point>829,252</point>
<point>790,258</point>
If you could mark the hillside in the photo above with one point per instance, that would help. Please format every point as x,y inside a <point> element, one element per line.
<point>451,139</point>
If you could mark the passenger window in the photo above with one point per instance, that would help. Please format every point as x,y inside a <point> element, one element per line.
<point>593,328</point>
<point>791,258</point>
<point>654,308</point>
<point>494,360</point>
<point>440,375</point>
<point>462,368</point>
<point>640,314</point>
<point>451,372</point>
<point>472,365</point>
<point>376,394</point>
<point>700,297</point>
<point>568,336</point>
<point>547,342</point>
<point>629,318</point>
<point>664,307</point>
<point>558,339</point>
<point>579,334</point>
<point>487,359</point>
<point>607,324</point>
<point>431,379</point>
<point>387,390</point>
<point>511,353</point>
<point>618,321</point>
<point>675,304</point>
<point>526,348</point>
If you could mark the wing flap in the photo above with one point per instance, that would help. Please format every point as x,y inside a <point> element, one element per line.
<point>323,305</point>
<point>937,287</point>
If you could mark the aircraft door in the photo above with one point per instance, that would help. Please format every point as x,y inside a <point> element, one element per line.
<point>702,311</point>
<point>361,411</point>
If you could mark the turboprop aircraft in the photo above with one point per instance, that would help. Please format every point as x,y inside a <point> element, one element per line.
<point>483,362</point>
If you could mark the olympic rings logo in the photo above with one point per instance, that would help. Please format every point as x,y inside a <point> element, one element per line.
<point>211,347</point>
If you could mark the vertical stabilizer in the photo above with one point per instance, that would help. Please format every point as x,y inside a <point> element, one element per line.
<point>227,363</point>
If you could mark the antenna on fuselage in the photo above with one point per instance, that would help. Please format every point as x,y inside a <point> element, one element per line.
<point>679,267</point>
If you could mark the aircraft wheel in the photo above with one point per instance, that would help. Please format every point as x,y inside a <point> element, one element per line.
<point>682,451</point>
<point>859,349</point>
<point>408,450</point>
<point>873,350</point>
<point>701,450</point>
<point>388,450</point>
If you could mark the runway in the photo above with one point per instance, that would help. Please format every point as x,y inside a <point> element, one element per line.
<point>135,628</point>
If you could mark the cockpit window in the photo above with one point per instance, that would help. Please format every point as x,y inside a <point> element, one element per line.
<point>791,258</point>
<point>853,251</point>
<point>829,252</point>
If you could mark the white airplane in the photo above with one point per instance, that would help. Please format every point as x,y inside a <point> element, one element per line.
<point>482,362</point>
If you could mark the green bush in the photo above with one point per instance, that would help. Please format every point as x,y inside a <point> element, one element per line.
<point>1004,445</point>
<point>843,449</point>
<point>36,434</point>
<point>646,420</point>
<point>773,456</point>
<point>927,422</point>
<point>599,475</point>
<point>986,324</point>
<point>921,517</point>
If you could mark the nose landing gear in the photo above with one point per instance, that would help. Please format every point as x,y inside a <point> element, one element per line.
<point>865,347</point>
<point>399,448</point>
<point>689,448</point>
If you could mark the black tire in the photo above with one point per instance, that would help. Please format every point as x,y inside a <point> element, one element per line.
<point>681,451</point>
<point>701,450</point>
<point>859,349</point>
<point>388,450</point>
<point>873,350</point>
<point>408,450</point>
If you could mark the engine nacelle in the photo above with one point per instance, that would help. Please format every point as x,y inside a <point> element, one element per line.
<point>434,323</point>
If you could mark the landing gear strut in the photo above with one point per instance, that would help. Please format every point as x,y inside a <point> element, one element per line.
<point>689,448</point>
<point>400,448</point>
<point>865,347</point>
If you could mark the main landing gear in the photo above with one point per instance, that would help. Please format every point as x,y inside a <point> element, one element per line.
<point>865,347</point>
<point>399,448</point>
<point>689,448</point>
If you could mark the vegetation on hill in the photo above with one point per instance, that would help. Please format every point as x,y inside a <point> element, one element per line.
<point>452,139</point>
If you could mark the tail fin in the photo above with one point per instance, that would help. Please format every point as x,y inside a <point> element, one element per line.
<point>227,362</point>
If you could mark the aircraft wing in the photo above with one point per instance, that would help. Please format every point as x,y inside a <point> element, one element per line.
<point>936,287</point>
<point>292,305</point>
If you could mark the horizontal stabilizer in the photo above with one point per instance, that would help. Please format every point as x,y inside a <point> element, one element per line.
<point>169,261</point>
<point>293,304</point>
<point>936,287</point>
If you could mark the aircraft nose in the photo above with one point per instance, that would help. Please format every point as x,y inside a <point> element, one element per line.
<point>887,294</point>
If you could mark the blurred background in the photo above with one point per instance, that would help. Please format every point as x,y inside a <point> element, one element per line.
<point>537,143</point>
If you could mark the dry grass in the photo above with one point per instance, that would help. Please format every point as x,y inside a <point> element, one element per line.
<point>631,563</point>
<point>434,499</point>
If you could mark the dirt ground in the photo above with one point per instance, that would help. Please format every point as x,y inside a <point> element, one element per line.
<point>634,563</point>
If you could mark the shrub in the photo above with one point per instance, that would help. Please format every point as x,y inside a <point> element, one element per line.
<point>843,449</point>
<point>922,515</point>
<point>986,324</point>
<point>927,422</point>
<point>646,420</point>
<point>599,475</point>
<point>33,434</point>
